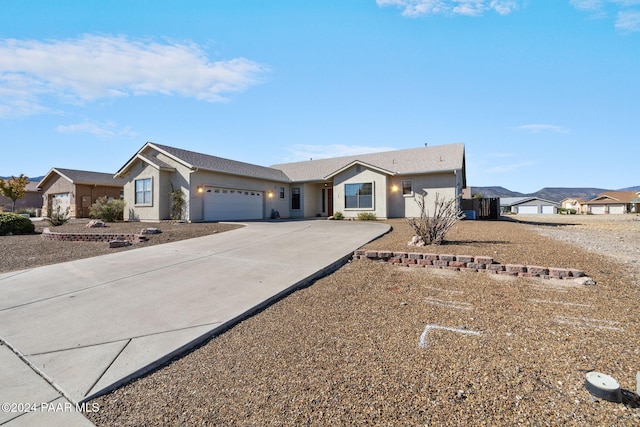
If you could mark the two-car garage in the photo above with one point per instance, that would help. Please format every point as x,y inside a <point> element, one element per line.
<point>223,204</point>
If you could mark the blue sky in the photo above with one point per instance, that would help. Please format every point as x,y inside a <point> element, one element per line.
<point>543,93</point>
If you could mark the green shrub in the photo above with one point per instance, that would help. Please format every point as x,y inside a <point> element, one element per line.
<point>338,215</point>
<point>11,223</point>
<point>108,210</point>
<point>367,216</point>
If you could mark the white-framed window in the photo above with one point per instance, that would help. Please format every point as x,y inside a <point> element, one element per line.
<point>144,191</point>
<point>358,196</point>
<point>407,188</point>
<point>282,192</point>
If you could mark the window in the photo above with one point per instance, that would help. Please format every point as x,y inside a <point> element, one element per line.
<point>282,192</point>
<point>358,196</point>
<point>295,198</point>
<point>143,191</point>
<point>407,187</point>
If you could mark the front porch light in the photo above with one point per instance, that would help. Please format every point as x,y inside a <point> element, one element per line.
<point>394,188</point>
<point>270,194</point>
<point>200,189</point>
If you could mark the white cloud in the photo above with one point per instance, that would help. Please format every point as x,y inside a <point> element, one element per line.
<point>627,17</point>
<point>628,21</point>
<point>301,152</point>
<point>537,128</point>
<point>415,8</point>
<point>106,130</point>
<point>92,67</point>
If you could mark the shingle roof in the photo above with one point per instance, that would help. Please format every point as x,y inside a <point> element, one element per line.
<point>85,177</point>
<point>219,164</point>
<point>413,160</point>
<point>614,197</point>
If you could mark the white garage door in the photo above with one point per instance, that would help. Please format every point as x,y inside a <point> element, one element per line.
<point>597,210</point>
<point>616,209</point>
<point>222,204</point>
<point>62,201</point>
<point>527,210</point>
<point>547,210</point>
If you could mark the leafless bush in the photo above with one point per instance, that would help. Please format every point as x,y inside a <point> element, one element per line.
<point>431,230</point>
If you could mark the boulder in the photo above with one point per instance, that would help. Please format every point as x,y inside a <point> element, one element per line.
<point>95,223</point>
<point>150,230</point>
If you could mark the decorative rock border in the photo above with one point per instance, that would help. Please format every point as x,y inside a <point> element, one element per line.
<point>470,263</point>
<point>92,237</point>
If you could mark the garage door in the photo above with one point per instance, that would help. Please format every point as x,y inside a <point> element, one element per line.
<point>527,210</point>
<point>548,210</point>
<point>597,210</point>
<point>62,201</point>
<point>616,209</point>
<point>221,204</point>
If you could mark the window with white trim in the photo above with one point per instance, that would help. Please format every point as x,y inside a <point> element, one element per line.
<point>358,196</point>
<point>143,191</point>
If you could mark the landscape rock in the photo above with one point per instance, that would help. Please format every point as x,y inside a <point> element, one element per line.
<point>119,243</point>
<point>150,230</point>
<point>95,223</point>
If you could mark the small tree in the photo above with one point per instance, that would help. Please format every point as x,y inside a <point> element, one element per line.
<point>13,188</point>
<point>431,230</point>
<point>108,210</point>
<point>177,203</point>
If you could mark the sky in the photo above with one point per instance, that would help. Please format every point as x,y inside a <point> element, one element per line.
<point>544,93</point>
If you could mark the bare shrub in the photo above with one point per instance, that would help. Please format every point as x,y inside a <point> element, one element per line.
<point>432,230</point>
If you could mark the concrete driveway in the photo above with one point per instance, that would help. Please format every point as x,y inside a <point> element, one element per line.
<point>72,331</point>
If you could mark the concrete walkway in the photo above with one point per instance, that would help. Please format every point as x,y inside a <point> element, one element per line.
<point>72,331</point>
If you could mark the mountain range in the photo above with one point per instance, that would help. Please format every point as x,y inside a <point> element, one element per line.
<point>555,194</point>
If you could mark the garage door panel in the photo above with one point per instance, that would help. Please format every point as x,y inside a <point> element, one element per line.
<point>527,210</point>
<point>616,209</point>
<point>547,209</point>
<point>597,210</point>
<point>222,204</point>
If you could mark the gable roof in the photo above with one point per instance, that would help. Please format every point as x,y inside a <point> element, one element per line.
<point>421,160</point>
<point>194,161</point>
<point>83,177</point>
<point>615,197</point>
<point>513,201</point>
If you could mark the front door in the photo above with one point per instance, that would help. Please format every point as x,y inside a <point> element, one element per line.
<point>329,201</point>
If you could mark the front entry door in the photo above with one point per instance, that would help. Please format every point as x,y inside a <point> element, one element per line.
<point>330,201</point>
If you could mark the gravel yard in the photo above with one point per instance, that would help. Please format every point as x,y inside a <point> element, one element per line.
<point>28,251</point>
<point>368,344</point>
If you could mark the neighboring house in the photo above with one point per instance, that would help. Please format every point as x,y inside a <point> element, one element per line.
<point>614,202</point>
<point>32,199</point>
<point>216,189</point>
<point>76,190</point>
<point>527,205</point>
<point>576,204</point>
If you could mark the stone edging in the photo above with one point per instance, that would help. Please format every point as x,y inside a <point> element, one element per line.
<point>92,237</point>
<point>470,263</point>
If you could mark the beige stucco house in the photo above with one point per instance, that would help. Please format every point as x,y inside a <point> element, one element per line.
<point>76,190</point>
<point>614,202</point>
<point>216,189</point>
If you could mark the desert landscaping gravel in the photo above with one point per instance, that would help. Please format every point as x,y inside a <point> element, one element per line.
<point>377,344</point>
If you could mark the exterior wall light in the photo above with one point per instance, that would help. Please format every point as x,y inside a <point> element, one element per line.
<point>270,194</point>
<point>394,188</point>
<point>200,189</point>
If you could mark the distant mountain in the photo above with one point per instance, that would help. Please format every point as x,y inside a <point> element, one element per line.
<point>31,178</point>
<point>495,192</point>
<point>636,188</point>
<point>555,194</point>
